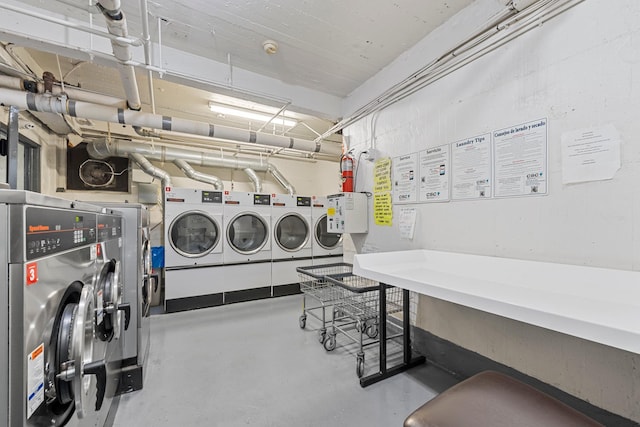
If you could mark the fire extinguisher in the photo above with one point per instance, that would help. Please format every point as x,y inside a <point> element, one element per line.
<point>346,170</point>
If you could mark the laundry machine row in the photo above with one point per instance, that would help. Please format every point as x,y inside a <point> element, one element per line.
<point>61,310</point>
<point>244,245</point>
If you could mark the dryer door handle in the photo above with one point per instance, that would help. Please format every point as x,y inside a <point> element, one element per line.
<point>98,369</point>
<point>127,313</point>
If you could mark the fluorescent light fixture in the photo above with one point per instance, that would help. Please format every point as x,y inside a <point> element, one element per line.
<point>251,115</point>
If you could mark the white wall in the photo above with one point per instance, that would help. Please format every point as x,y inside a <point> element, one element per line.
<point>581,69</point>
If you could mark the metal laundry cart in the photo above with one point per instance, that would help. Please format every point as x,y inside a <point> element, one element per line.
<point>356,307</point>
<point>317,290</point>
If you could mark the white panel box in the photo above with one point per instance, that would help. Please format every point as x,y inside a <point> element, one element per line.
<point>347,213</point>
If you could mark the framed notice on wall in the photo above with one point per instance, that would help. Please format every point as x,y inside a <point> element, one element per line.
<point>520,165</point>
<point>435,171</point>
<point>405,178</point>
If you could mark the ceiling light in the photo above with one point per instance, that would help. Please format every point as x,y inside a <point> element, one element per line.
<point>251,115</point>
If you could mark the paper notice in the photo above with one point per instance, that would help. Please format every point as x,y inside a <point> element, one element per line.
<point>407,223</point>
<point>471,168</point>
<point>382,209</point>
<point>382,175</point>
<point>590,154</point>
<point>405,178</point>
<point>434,174</point>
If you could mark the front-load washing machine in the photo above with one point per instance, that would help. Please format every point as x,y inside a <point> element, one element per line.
<point>193,222</point>
<point>50,360</point>
<point>137,290</point>
<point>291,229</point>
<point>326,247</point>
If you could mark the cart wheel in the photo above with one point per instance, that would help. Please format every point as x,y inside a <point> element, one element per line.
<point>360,366</point>
<point>322,334</point>
<point>303,321</point>
<point>372,330</point>
<point>330,343</point>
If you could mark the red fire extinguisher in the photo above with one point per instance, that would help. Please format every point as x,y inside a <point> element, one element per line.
<point>346,170</point>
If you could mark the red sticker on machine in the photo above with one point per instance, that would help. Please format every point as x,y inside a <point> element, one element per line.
<point>32,273</point>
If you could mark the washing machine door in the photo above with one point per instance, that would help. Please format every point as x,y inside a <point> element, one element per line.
<point>147,282</point>
<point>194,234</point>
<point>326,240</point>
<point>74,362</point>
<point>247,233</point>
<point>109,301</point>
<point>291,232</point>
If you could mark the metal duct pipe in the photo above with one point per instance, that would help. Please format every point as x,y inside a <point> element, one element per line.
<point>74,108</point>
<point>73,92</point>
<point>190,172</point>
<point>149,169</point>
<point>277,175</point>
<point>117,25</point>
<point>103,149</point>
<point>253,176</point>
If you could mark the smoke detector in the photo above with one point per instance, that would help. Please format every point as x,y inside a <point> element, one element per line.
<point>270,46</point>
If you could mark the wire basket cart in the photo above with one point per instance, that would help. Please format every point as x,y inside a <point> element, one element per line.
<point>317,295</point>
<point>356,306</point>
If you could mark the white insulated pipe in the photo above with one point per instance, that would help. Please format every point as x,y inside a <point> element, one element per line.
<point>53,104</point>
<point>190,172</point>
<point>253,176</point>
<point>149,169</point>
<point>104,149</point>
<point>117,25</point>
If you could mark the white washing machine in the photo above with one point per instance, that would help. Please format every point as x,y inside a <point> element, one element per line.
<point>193,223</point>
<point>291,229</point>
<point>52,367</point>
<point>326,247</point>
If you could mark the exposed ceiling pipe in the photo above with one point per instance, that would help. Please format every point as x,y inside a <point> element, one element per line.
<point>102,149</point>
<point>149,169</point>
<point>117,25</point>
<point>75,93</point>
<point>190,172</point>
<point>253,176</point>
<point>74,108</point>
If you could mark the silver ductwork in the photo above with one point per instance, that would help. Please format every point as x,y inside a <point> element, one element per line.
<point>149,169</point>
<point>253,176</point>
<point>117,26</point>
<point>75,108</point>
<point>103,149</point>
<point>190,172</point>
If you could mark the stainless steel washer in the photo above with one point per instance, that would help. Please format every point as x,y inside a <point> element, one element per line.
<point>50,369</point>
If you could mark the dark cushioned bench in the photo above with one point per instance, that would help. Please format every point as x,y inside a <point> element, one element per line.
<point>491,399</point>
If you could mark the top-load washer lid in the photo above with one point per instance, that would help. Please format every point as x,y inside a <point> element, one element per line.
<point>291,232</point>
<point>247,233</point>
<point>324,239</point>
<point>194,234</point>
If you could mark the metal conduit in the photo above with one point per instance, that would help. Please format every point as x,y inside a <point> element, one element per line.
<point>104,149</point>
<point>190,172</point>
<point>149,169</point>
<point>253,176</point>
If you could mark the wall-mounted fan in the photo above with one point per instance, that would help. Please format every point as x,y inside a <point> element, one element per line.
<point>85,173</point>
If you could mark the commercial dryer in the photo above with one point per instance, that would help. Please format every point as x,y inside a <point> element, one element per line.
<point>193,221</point>
<point>326,247</point>
<point>137,285</point>
<point>291,229</point>
<point>54,365</point>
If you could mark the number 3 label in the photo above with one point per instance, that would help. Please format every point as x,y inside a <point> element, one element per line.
<point>32,273</point>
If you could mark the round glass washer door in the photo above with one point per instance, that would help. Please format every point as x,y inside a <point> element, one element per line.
<point>324,239</point>
<point>292,232</point>
<point>247,233</point>
<point>194,234</point>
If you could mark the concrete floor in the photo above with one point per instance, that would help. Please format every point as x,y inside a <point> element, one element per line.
<point>251,364</point>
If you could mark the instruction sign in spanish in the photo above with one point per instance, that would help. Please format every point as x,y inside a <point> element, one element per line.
<point>382,208</point>
<point>471,168</point>
<point>434,174</point>
<point>405,178</point>
<point>590,154</point>
<point>520,159</point>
